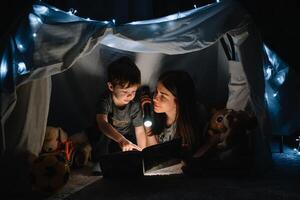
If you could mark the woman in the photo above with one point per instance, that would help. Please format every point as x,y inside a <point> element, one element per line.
<point>175,111</point>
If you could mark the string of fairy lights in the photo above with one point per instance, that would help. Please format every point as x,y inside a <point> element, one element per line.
<point>298,147</point>
<point>35,21</point>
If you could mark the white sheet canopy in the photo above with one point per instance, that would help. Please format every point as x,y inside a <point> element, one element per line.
<point>73,52</point>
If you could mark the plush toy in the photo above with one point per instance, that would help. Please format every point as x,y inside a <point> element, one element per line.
<point>80,151</point>
<point>55,139</point>
<point>227,144</point>
<point>49,173</point>
<point>227,128</point>
<point>76,147</point>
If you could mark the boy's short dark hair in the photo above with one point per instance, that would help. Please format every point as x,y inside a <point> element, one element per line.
<point>123,72</point>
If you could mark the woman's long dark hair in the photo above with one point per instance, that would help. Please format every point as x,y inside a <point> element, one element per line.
<point>181,85</point>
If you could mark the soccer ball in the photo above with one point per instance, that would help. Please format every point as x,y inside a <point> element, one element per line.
<point>49,173</point>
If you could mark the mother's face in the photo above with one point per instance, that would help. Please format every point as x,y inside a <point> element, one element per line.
<point>163,100</point>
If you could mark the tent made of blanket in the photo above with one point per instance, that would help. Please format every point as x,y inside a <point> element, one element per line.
<point>53,67</point>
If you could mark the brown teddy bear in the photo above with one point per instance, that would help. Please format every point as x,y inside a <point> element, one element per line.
<point>55,138</point>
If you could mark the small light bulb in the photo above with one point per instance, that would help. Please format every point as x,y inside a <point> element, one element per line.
<point>21,68</point>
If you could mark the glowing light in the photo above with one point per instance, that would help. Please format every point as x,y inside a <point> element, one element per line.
<point>272,99</point>
<point>266,96</point>
<point>34,35</point>
<point>88,19</point>
<point>3,68</point>
<point>268,73</point>
<point>114,21</point>
<point>21,68</point>
<point>280,79</point>
<point>40,9</point>
<point>172,17</point>
<point>195,6</point>
<point>34,20</point>
<point>72,11</point>
<point>20,46</point>
<point>298,148</point>
<point>273,58</point>
<point>275,72</point>
<point>217,1</point>
<point>148,123</point>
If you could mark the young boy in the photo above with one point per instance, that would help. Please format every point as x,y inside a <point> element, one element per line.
<point>119,116</point>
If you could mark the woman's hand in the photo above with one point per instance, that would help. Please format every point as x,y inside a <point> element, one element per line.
<point>145,99</point>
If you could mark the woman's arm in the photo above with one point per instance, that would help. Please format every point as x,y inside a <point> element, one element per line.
<point>150,138</point>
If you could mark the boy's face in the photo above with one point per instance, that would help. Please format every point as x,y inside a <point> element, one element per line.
<point>122,95</point>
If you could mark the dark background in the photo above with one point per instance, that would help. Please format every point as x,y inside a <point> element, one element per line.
<point>277,20</point>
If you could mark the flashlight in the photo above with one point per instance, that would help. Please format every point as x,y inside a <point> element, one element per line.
<point>146,106</point>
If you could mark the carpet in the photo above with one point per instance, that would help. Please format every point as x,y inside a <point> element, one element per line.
<point>281,182</point>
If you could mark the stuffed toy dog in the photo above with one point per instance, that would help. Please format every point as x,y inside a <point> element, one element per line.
<point>226,129</point>
<point>231,126</point>
<point>227,144</point>
<point>75,147</point>
<point>80,151</point>
<point>54,140</point>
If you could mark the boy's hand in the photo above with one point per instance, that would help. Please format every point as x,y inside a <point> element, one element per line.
<point>126,145</point>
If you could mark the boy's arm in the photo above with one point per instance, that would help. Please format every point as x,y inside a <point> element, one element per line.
<point>140,135</point>
<point>113,134</point>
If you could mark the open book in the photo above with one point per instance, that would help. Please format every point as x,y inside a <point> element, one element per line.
<point>136,163</point>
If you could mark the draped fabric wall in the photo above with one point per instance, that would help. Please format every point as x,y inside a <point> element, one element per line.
<point>26,125</point>
<point>75,52</point>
